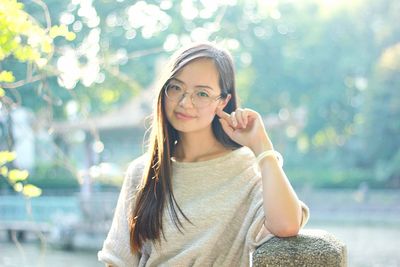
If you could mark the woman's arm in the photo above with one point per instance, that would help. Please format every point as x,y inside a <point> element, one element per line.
<point>116,247</point>
<point>281,204</point>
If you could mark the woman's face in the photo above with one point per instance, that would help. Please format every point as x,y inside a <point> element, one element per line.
<point>200,79</point>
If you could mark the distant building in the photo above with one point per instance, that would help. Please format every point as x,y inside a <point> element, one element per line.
<point>116,136</point>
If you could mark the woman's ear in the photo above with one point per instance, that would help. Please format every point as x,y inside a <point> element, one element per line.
<point>225,101</point>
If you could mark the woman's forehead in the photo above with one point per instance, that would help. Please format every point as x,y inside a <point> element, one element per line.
<point>199,72</point>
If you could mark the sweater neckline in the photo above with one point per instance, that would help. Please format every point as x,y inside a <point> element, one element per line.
<point>187,164</point>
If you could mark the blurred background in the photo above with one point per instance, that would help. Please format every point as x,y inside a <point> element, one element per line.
<point>76,90</point>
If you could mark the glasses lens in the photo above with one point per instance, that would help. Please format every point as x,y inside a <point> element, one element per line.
<point>201,100</point>
<point>173,91</point>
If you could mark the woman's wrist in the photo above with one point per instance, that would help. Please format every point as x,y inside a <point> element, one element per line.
<point>261,146</point>
<point>270,154</point>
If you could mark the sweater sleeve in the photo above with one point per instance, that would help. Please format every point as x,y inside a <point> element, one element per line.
<point>258,234</point>
<point>116,247</point>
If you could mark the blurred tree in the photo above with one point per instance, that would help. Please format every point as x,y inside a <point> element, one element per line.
<point>24,40</point>
<point>319,57</point>
<point>382,124</point>
<point>377,125</point>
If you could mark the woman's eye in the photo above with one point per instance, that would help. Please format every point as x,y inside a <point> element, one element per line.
<point>202,94</point>
<point>174,87</point>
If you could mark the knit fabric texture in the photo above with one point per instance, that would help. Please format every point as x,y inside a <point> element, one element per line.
<point>223,199</point>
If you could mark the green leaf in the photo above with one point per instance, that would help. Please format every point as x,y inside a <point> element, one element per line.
<point>70,36</point>
<point>31,191</point>
<point>56,30</point>
<point>17,175</point>
<point>18,187</point>
<point>4,171</point>
<point>61,30</point>
<point>47,46</point>
<point>7,156</point>
<point>109,96</point>
<point>7,76</point>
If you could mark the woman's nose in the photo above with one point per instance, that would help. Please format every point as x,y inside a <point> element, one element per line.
<point>186,99</point>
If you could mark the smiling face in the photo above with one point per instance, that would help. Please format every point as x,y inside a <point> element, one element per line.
<point>201,78</point>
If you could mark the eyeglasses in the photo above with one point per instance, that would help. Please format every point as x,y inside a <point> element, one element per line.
<point>200,97</point>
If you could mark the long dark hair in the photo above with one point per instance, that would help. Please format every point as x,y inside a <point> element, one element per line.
<point>145,221</point>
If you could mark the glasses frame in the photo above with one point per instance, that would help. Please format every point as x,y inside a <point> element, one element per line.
<point>212,99</point>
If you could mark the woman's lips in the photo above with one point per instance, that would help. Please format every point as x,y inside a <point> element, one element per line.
<point>182,116</point>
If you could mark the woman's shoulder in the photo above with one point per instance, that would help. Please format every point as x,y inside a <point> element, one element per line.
<point>136,168</point>
<point>137,164</point>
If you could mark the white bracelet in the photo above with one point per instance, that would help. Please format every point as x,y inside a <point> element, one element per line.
<point>270,153</point>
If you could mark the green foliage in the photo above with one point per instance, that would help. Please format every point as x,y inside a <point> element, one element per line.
<point>17,178</point>
<point>318,177</point>
<point>50,176</point>
<point>7,76</point>
<point>21,37</point>
<point>24,39</point>
<point>339,63</point>
<point>381,127</point>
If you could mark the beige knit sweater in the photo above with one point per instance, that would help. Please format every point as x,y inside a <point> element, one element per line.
<point>222,197</point>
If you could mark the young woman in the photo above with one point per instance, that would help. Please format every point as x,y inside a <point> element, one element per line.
<point>210,182</point>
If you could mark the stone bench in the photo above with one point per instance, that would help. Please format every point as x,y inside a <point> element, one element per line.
<point>311,247</point>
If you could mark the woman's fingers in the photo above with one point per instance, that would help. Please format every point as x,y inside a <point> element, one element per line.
<point>234,119</point>
<point>237,119</point>
<point>241,116</point>
<point>226,127</point>
<point>222,114</point>
<point>225,116</point>
<point>245,117</point>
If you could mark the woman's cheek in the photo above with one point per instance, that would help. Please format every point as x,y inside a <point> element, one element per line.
<point>207,114</point>
<point>168,109</point>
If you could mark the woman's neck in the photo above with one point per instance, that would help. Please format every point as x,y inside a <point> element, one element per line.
<point>193,147</point>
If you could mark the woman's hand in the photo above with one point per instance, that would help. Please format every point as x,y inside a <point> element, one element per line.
<point>281,205</point>
<point>245,127</point>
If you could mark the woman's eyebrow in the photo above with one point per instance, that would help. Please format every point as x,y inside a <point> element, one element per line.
<point>199,85</point>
